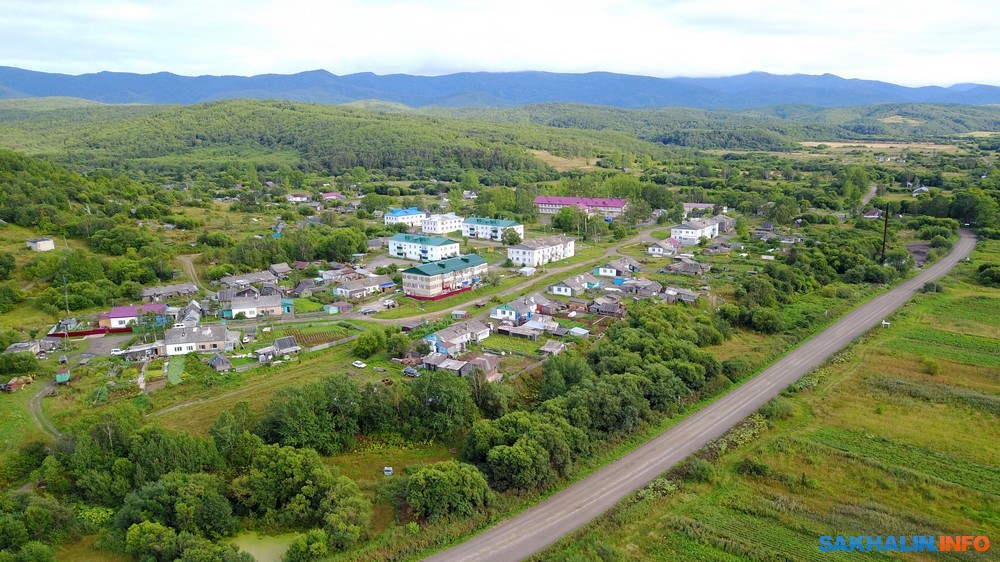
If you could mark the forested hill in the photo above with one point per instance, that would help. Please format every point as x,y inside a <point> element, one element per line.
<point>309,136</point>
<point>756,89</point>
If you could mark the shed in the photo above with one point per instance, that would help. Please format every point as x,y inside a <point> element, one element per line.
<point>220,362</point>
<point>552,347</point>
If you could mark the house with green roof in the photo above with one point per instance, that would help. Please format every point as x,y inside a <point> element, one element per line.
<point>422,248</point>
<point>434,280</point>
<point>490,229</point>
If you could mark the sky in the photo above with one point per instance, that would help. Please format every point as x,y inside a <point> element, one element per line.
<point>913,43</point>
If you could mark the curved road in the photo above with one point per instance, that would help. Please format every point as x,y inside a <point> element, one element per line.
<point>561,514</point>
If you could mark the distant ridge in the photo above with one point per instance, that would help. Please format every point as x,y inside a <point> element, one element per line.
<point>490,89</point>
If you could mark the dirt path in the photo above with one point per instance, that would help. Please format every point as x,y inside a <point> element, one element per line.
<point>187,265</point>
<point>38,413</point>
<point>870,195</point>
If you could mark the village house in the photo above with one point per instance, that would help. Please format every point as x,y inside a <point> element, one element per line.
<point>454,339</point>
<point>363,287</point>
<point>339,307</point>
<point>607,306</point>
<point>253,307</point>
<point>701,208</point>
<point>675,294</point>
<point>622,267</point>
<point>726,223</point>
<point>662,248</point>
<point>244,279</point>
<point>516,312</point>
<point>540,251</point>
<point>332,196</point>
<point>298,197</point>
<point>219,362</point>
<point>551,204</point>
<point>576,285</point>
<point>642,287</point>
<point>552,347</point>
<point>157,294</point>
<point>123,316</point>
<point>441,278</point>
<point>577,305</point>
<point>442,224</point>
<point>873,214</point>
<point>689,267</point>
<point>205,339</point>
<point>422,248</point>
<point>41,244</point>
<point>280,270</point>
<point>411,217</point>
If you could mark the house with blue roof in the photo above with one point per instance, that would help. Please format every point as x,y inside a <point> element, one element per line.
<point>411,217</point>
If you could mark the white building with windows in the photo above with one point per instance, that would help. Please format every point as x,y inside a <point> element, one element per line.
<point>411,217</point>
<point>490,229</point>
<point>689,233</point>
<point>540,251</point>
<point>422,248</point>
<point>443,224</point>
<point>206,339</point>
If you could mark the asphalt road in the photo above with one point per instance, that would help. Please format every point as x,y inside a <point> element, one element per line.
<point>561,514</point>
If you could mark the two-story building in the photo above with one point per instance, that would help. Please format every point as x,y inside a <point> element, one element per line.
<point>490,229</point>
<point>540,251</point>
<point>689,233</point>
<point>442,224</point>
<point>422,248</point>
<point>411,217</point>
<point>441,278</point>
<point>608,208</point>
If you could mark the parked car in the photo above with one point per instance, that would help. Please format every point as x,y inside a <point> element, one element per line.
<point>359,364</point>
<point>117,351</point>
<point>411,372</point>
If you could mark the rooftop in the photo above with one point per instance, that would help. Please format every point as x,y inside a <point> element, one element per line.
<point>446,266</point>
<point>491,222</point>
<point>404,212</point>
<point>133,311</point>
<point>423,240</point>
<point>585,201</point>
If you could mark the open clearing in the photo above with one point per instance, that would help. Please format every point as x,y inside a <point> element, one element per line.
<point>562,164</point>
<point>883,145</point>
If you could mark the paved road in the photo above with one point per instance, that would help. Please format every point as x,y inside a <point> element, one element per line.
<point>561,514</point>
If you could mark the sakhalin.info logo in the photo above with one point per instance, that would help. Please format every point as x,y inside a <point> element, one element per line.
<point>928,543</point>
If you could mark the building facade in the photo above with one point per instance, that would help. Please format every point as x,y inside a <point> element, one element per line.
<point>689,233</point>
<point>610,208</point>
<point>440,278</point>
<point>181,341</point>
<point>41,244</point>
<point>422,248</point>
<point>540,251</point>
<point>490,229</point>
<point>443,224</point>
<point>411,217</point>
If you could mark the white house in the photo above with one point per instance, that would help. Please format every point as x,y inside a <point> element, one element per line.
<point>442,224</point>
<point>360,288</point>
<point>252,307</point>
<point>410,217</point>
<point>576,285</point>
<point>661,248</point>
<point>490,229</point>
<point>540,251</point>
<point>689,233</point>
<point>454,339</point>
<point>41,244</point>
<point>422,248</point>
<point>298,197</point>
<point>206,339</point>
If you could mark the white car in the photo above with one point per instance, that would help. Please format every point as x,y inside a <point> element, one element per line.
<point>117,351</point>
<point>359,364</point>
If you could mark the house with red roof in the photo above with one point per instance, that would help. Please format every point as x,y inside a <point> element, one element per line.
<point>122,316</point>
<point>551,204</point>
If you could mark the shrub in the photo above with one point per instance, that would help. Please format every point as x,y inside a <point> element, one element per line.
<point>777,409</point>
<point>701,471</point>
<point>753,467</point>
<point>931,367</point>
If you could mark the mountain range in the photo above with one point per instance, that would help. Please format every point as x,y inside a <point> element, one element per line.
<point>485,89</point>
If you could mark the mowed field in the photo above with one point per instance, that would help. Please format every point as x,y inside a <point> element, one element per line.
<point>898,435</point>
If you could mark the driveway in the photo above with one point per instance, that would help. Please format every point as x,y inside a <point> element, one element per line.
<point>104,345</point>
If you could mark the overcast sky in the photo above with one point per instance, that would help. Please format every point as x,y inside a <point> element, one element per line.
<point>913,42</point>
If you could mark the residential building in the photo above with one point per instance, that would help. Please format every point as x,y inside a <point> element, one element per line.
<point>551,204</point>
<point>661,248</point>
<point>697,208</point>
<point>280,270</point>
<point>422,248</point>
<point>622,267</point>
<point>442,224</point>
<point>689,267</point>
<point>689,233</point>
<point>552,347</point>
<point>41,244</point>
<point>455,338</point>
<point>873,214</point>
<point>157,294</point>
<point>252,307</point>
<point>361,288</point>
<point>516,312</point>
<point>220,362</point>
<point>607,306</point>
<point>244,279</point>
<point>123,316</point>
<point>298,197</point>
<point>204,339</point>
<point>576,285</point>
<point>411,217</point>
<point>332,196</point>
<point>642,287</point>
<point>441,278</point>
<point>490,229</point>
<point>540,251</point>
<point>726,223</point>
<point>488,363</point>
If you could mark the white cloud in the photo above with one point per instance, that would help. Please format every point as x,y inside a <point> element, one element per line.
<point>914,43</point>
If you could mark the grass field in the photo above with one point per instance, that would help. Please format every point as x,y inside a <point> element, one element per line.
<point>880,442</point>
<point>16,425</point>
<point>174,369</point>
